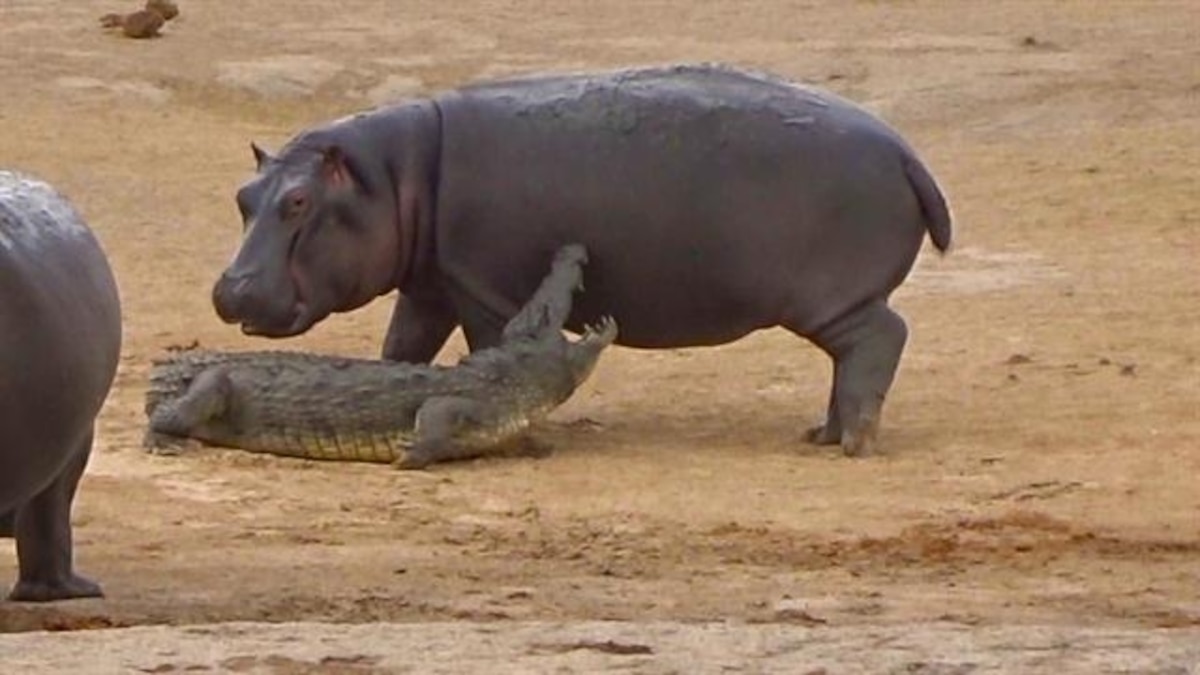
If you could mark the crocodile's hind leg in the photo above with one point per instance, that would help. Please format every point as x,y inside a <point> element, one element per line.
<point>173,423</point>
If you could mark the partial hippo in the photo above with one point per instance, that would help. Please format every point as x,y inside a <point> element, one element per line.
<point>59,346</point>
<point>714,202</point>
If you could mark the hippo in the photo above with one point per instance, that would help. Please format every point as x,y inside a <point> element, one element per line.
<point>59,349</point>
<point>714,201</point>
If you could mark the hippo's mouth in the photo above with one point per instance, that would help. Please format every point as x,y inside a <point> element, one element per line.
<point>304,316</point>
<point>303,319</point>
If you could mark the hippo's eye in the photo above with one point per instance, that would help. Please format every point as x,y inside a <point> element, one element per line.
<point>294,203</point>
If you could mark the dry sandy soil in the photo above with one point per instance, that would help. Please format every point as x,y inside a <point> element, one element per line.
<point>1038,508</point>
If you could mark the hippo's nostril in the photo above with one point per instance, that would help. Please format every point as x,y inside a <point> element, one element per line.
<point>228,295</point>
<point>240,286</point>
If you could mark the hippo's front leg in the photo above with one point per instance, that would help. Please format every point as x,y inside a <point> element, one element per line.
<point>45,555</point>
<point>420,325</point>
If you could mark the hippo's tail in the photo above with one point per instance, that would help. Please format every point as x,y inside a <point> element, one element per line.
<point>933,203</point>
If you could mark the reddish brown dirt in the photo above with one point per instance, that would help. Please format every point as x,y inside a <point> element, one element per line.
<point>1043,437</point>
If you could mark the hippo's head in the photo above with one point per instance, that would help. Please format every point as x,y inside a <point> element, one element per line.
<point>320,236</point>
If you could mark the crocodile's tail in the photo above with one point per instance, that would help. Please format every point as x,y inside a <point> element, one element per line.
<point>932,201</point>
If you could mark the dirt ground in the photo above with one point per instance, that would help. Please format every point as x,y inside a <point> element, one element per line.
<point>1043,437</point>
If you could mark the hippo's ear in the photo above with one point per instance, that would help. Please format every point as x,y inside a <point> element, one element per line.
<point>260,156</point>
<point>335,167</point>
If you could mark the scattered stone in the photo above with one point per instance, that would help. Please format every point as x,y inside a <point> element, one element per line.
<point>138,25</point>
<point>168,9</point>
<point>789,610</point>
<point>184,347</point>
<point>1034,42</point>
<point>605,647</point>
<point>144,23</point>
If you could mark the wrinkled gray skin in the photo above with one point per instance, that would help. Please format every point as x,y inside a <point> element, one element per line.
<point>714,202</point>
<point>59,347</point>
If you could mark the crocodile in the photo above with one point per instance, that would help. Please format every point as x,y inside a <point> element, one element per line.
<point>325,407</point>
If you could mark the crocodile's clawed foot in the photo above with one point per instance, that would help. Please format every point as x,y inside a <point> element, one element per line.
<point>168,446</point>
<point>536,448</point>
<point>412,461</point>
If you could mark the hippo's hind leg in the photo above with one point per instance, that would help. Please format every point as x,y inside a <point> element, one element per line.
<point>44,547</point>
<point>865,346</point>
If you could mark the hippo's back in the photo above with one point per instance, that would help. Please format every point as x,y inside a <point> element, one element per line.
<point>62,333</point>
<point>713,200</point>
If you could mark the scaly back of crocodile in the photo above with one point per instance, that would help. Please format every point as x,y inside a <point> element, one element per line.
<point>172,373</point>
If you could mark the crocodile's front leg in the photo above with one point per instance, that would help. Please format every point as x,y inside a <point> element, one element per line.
<point>174,422</point>
<point>450,428</point>
<point>444,422</point>
<point>438,424</point>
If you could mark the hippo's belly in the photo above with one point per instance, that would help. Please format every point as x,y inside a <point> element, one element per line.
<point>711,203</point>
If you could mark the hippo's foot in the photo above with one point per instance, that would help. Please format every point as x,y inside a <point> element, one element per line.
<point>41,590</point>
<point>856,443</point>
<point>823,434</point>
<point>861,441</point>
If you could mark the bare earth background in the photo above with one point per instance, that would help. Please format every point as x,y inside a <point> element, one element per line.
<point>1039,506</point>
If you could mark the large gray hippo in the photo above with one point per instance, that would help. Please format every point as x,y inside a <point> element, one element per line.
<point>714,202</point>
<point>60,338</point>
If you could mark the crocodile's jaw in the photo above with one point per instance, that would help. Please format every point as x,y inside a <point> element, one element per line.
<point>583,354</point>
